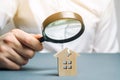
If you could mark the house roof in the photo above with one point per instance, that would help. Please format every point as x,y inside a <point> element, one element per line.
<point>66,50</point>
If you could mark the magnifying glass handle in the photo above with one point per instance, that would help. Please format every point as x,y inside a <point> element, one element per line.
<point>41,39</point>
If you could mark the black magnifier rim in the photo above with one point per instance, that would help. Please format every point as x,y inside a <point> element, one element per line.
<point>46,38</point>
<point>60,16</point>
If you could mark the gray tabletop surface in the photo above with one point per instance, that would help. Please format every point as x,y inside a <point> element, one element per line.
<point>89,67</point>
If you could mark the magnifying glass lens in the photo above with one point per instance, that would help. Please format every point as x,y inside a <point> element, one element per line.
<point>63,29</point>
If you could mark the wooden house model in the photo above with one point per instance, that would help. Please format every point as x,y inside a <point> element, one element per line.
<point>66,61</point>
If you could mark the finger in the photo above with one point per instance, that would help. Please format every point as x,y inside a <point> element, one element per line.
<point>22,50</point>
<point>12,55</point>
<point>8,64</point>
<point>26,52</point>
<point>15,57</point>
<point>27,39</point>
<point>37,36</point>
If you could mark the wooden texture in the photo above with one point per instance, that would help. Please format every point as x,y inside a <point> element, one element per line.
<point>67,62</point>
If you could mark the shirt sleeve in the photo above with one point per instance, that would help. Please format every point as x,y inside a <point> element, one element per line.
<point>7,11</point>
<point>106,37</point>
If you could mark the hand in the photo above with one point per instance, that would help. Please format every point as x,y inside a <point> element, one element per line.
<point>16,48</point>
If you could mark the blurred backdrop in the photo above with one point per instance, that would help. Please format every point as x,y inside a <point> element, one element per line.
<point>117,5</point>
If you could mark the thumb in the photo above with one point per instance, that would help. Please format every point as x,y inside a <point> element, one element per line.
<point>37,36</point>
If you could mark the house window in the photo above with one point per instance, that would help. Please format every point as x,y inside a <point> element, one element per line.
<point>69,67</point>
<point>64,62</point>
<point>65,67</point>
<point>67,64</point>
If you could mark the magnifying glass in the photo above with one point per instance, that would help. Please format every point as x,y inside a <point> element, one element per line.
<point>62,27</point>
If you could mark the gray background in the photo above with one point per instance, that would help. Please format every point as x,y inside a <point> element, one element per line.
<point>90,67</point>
<point>117,5</point>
